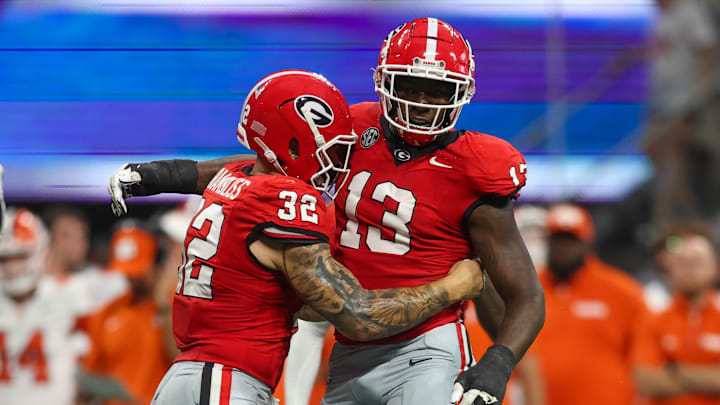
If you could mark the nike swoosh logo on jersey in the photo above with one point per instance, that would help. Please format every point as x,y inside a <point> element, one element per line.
<point>414,362</point>
<point>434,162</point>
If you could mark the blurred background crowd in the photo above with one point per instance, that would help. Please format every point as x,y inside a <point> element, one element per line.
<point>616,106</point>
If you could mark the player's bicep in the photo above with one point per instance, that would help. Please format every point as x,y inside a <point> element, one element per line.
<point>496,169</point>
<point>497,242</point>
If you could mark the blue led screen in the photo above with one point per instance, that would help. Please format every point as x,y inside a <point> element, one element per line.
<point>105,88</point>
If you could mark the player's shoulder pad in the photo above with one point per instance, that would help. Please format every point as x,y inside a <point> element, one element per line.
<point>493,166</point>
<point>365,107</point>
<point>230,180</point>
<point>239,165</point>
<point>366,123</point>
<point>279,183</point>
<point>291,209</point>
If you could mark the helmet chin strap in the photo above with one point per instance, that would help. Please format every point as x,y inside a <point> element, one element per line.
<point>269,155</point>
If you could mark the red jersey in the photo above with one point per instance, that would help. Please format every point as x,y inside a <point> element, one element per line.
<point>401,217</point>
<point>228,308</point>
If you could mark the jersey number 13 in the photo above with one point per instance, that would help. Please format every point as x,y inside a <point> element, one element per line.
<point>396,221</point>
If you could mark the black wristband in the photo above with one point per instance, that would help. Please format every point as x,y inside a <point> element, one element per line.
<point>502,357</point>
<point>165,176</point>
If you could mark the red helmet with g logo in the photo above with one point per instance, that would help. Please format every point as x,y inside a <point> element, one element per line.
<point>425,48</point>
<point>300,123</point>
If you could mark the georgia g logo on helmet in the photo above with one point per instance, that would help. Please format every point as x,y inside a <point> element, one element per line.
<point>320,111</point>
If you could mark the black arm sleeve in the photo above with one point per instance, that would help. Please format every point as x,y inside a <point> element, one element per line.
<point>165,176</point>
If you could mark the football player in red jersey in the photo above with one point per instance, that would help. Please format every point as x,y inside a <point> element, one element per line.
<point>257,249</point>
<point>420,196</point>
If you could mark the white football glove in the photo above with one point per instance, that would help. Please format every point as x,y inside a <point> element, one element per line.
<point>2,199</point>
<point>119,188</point>
<point>485,382</point>
<point>468,398</point>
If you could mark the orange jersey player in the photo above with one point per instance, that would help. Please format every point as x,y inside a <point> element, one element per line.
<point>678,360</point>
<point>595,316</point>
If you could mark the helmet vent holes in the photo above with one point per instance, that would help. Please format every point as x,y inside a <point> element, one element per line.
<point>294,148</point>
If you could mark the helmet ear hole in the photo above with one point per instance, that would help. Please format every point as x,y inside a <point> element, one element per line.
<point>294,148</point>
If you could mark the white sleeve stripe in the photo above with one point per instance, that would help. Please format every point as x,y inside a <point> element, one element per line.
<point>283,232</point>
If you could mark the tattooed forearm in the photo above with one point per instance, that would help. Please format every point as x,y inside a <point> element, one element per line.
<point>332,290</point>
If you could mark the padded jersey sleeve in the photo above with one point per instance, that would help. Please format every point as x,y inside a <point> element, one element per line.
<point>494,167</point>
<point>292,211</point>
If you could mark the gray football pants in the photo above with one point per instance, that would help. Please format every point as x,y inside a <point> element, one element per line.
<point>420,371</point>
<point>199,383</point>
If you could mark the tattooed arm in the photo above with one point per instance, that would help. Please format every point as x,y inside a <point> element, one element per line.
<point>332,290</point>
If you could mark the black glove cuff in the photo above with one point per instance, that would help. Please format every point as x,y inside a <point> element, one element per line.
<point>165,176</point>
<point>502,358</point>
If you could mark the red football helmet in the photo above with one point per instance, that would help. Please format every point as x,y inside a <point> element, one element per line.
<point>425,48</point>
<point>23,244</point>
<point>301,124</point>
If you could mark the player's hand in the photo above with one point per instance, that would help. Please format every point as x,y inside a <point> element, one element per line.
<point>485,382</point>
<point>468,279</point>
<point>120,185</point>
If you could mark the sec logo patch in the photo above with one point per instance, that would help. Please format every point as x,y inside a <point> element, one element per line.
<point>369,137</point>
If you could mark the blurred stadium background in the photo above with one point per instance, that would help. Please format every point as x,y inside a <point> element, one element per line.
<point>131,80</point>
<point>87,85</point>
